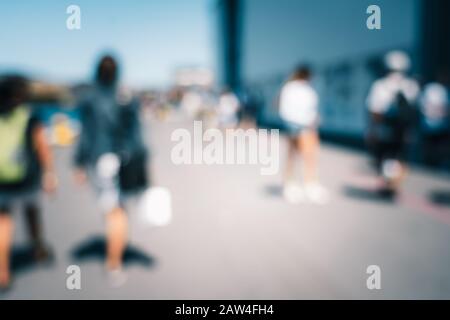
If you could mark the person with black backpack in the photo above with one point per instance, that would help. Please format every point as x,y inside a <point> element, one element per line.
<point>26,167</point>
<point>392,112</point>
<point>112,154</point>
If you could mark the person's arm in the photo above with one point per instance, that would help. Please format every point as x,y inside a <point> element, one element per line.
<point>45,157</point>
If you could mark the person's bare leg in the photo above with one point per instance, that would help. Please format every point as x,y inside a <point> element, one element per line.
<point>290,161</point>
<point>292,192</point>
<point>309,146</point>
<point>6,234</point>
<point>35,232</point>
<point>396,183</point>
<point>309,142</point>
<point>33,224</point>
<point>116,234</point>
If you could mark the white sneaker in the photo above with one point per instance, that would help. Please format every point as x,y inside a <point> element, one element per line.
<point>293,193</point>
<point>116,278</point>
<point>316,193</point>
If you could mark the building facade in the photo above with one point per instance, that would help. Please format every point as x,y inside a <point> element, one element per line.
<point>261,41</point>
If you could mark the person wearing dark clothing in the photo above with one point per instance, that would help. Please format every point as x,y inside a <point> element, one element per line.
<point>391,107</point>
<point>26,166</point>
<point>112,155</point>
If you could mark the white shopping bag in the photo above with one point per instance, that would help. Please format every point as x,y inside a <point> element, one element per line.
<point>154,207</point>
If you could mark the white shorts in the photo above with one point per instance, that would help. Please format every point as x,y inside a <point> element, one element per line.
<point>105,180</point>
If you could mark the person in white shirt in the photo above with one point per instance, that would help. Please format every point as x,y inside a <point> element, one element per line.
<point>435,125</point>
<point>389,100</point>
<point>384,91</point>
<point>298,108</point>
<point>228,109</point>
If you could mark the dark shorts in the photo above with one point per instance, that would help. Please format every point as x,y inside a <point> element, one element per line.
<point>8,200</point>
<point>382,151</point>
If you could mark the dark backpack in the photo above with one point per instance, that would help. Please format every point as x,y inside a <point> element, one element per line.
<point>132,151</point>
<point>394,124</point>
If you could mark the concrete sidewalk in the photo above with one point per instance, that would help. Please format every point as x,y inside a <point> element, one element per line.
<point>234,237</point>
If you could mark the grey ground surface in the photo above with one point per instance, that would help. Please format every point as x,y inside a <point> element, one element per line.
<point>234,237</point>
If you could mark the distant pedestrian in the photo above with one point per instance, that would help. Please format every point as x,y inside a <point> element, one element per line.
<point>112,154</point>
<point>435,123</point>
<point>299,104</point>
<point>391,105</point>
<point>228,109</point>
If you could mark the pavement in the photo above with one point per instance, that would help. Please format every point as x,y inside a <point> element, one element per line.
<point>233,236</point>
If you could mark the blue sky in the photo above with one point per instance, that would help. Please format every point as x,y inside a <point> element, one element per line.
<point>150,37</point>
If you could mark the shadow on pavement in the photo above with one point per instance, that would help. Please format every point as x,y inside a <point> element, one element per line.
<point>23,259</point>
<point>94,248</point>
<point>440,197</point>
<point>274,190</point>
<point>368,194</point>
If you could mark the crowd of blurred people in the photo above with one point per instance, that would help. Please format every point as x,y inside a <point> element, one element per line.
<point>111,154</point>
<point>398,107</point>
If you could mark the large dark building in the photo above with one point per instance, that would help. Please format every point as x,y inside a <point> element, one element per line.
<point>261,41</point>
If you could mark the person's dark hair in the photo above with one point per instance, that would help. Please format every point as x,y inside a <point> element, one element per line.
<point>14,91</point>
<point>107,71</point>
<point>302,72</point>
